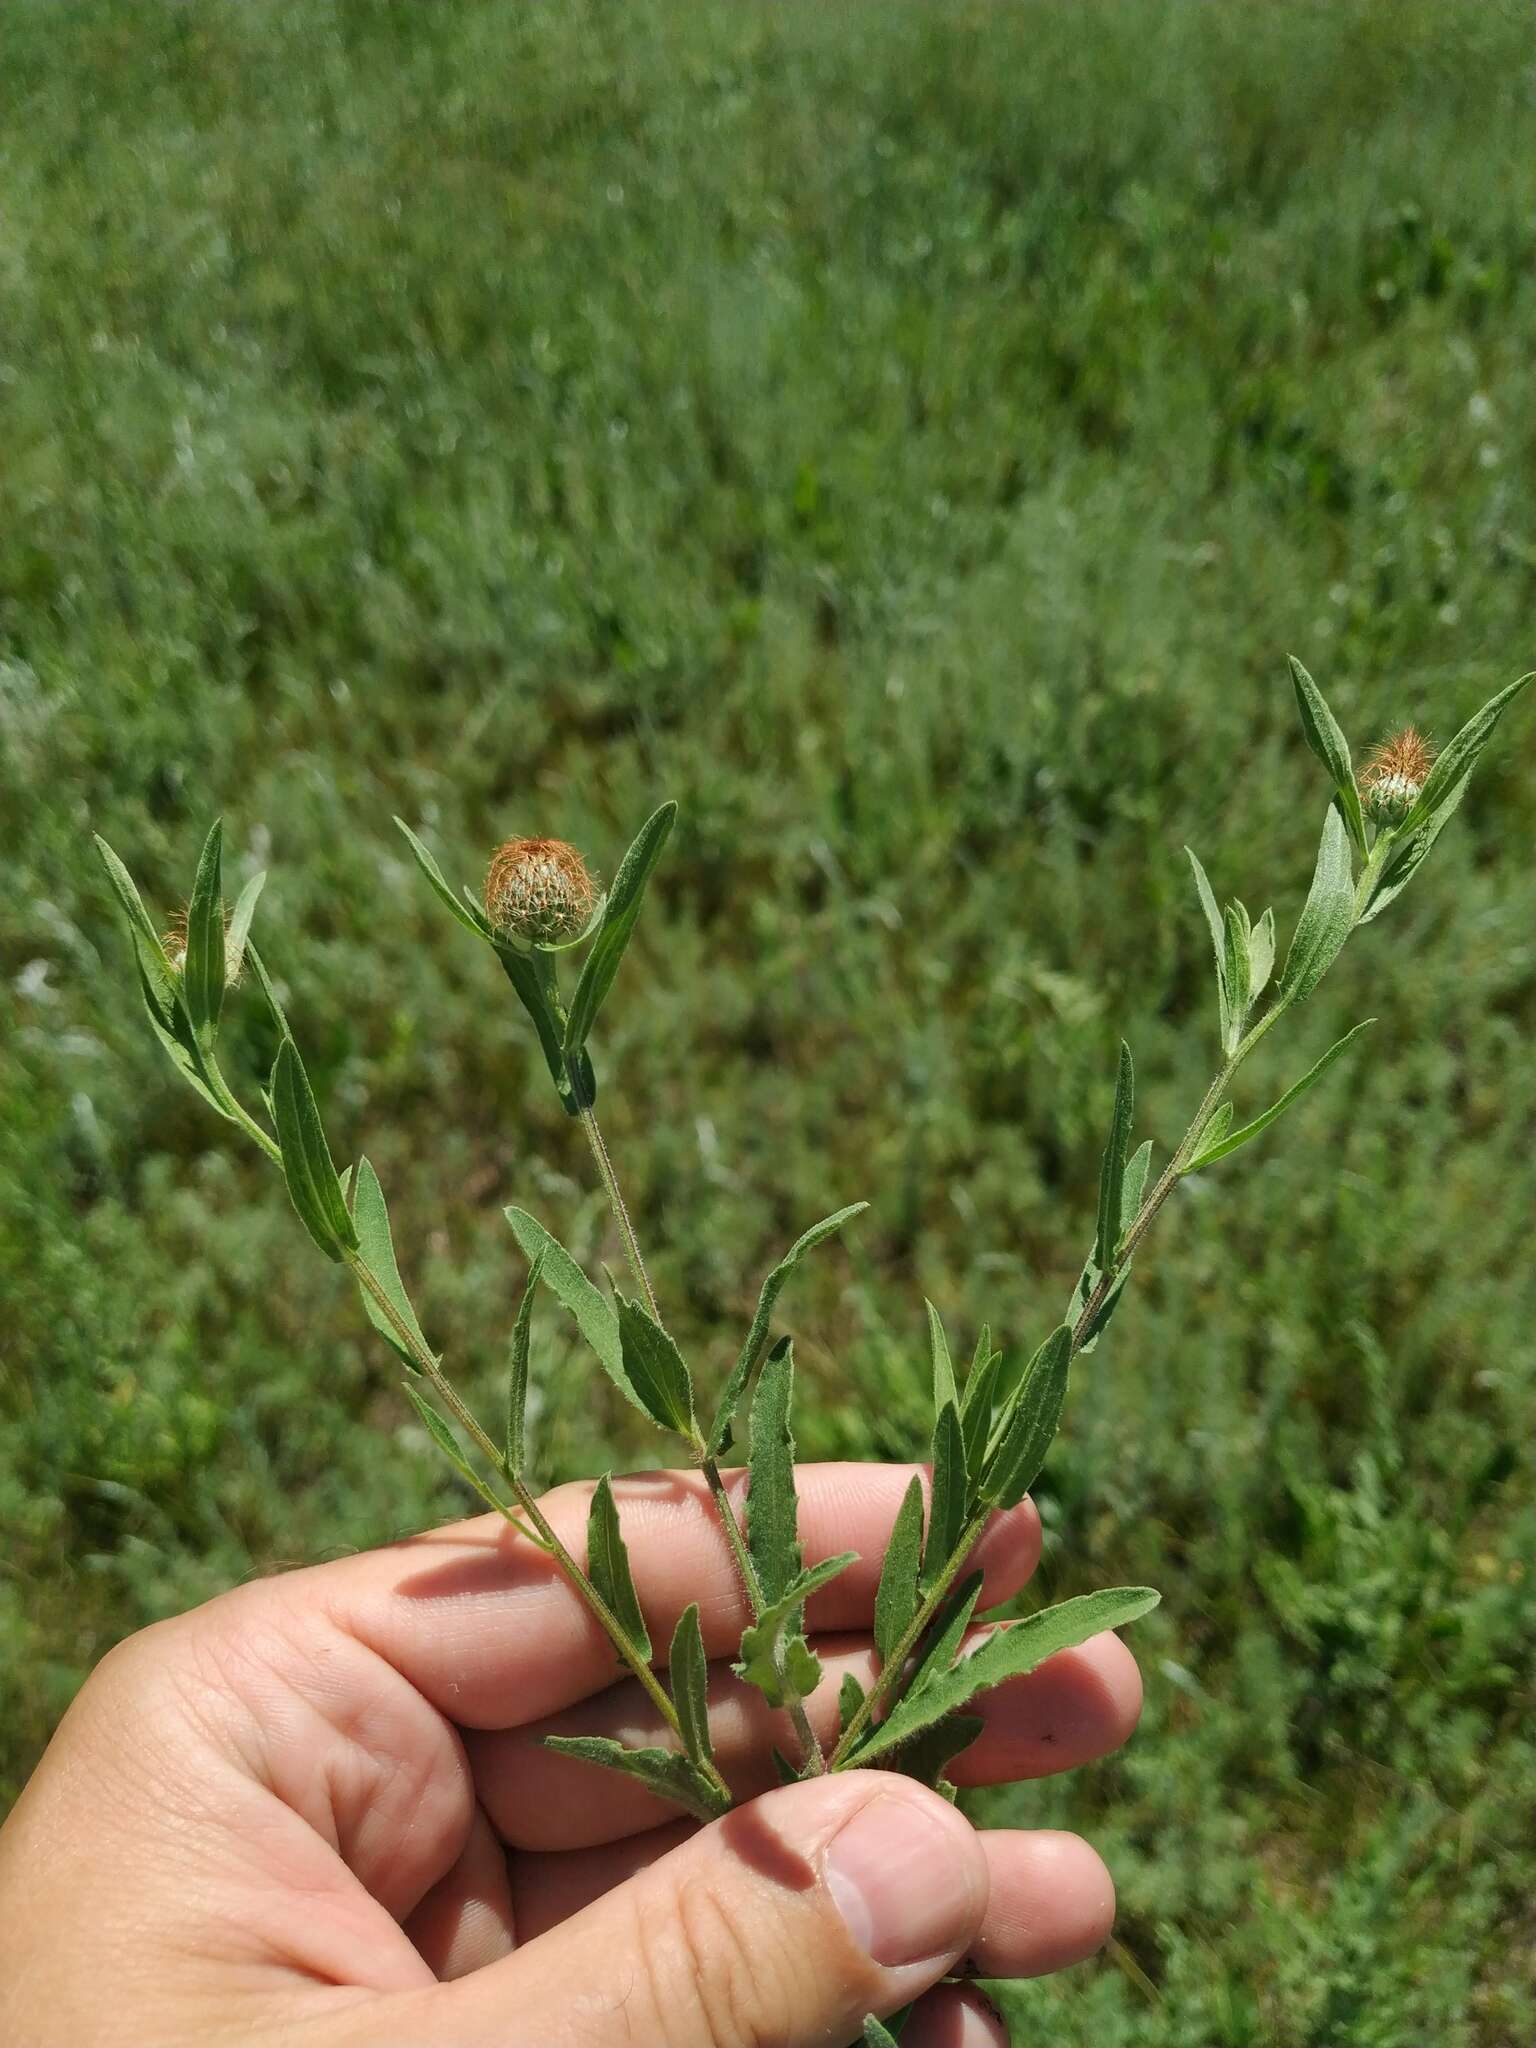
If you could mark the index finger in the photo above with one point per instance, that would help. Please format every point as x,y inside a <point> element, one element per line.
<point>487,1628</point>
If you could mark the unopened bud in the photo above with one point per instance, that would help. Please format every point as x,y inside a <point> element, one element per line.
<point>173,944</point>
<point>539,891</point>
<point>1393,778</point>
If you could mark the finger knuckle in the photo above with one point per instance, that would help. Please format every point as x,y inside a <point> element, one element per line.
<point>713,1971</point>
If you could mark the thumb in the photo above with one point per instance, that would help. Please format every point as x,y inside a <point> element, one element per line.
<point>786,1922</point>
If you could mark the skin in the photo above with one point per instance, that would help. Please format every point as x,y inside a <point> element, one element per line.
<point>314,1811</point>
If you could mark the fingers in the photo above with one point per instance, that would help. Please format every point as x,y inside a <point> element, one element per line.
<point>955,2016</point>
<point>485,1626</point>
<point>785,1922</point>
<point>465,1920</point>
<point>1080,1705</point>
<point>1050,1901</point>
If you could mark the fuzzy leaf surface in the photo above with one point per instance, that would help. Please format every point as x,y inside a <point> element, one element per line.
<point>574,1291</point>
<point>1218,932</point>
<point>896,1600</point>
<point>951,1491</point>
<point>1212,1150</point>
<point>655,1369</point>
<point>517,1369</point>
<point>624,900</point>
<point>448,1443</point>
<point>376,1249</point>
<point>1326,916</point>
<point>773,1537</point>
<point>202,974</point>
<point>608,1565</point>
<point>945,1390</point>
<point>688,1671</point>
<point>665,1772</point>
<point>1447,778</point>
<point>1326,738</point>
<point>1031,1421</point>
<point>1009,1652</point>
<point>240,922</point>
<point>757,1335</point>
<point>467,914</point>
<point>307,1164</point>
<point>1112,1171</point>
<point>531,977</point>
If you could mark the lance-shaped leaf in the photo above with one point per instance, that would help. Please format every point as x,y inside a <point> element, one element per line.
<point>608,1566</point>
<point>394,1317</point>
<point>757,1335</point>
<point>467,913</point>
<point>269,993</point>
<point>688,1671</point>
<point>1112,1172</point>
<point>1261,955</point>
<point>945,1392</point>
<point>1009,1652</point>
<point>773,1536</point>
<point>950,1504</point>
<point>1212,1135</point>
<point>926,1757</point>
<point>1030,1423</point>
<point>126,891</point>
<point>976,1406</point>
<point>624,899</point>
<point>1218,932</point>
<point>655,1369</point>
<point>850,1697</point>
<point>517,1371</point>
<point>532,977</point>
<point>202,974</point>
<point>947,1632</point>
<point>896,1600</point>
<point>574,1291</point>
<point>1239,938</point>
<point>448,1444</point>
<point>173,1027</point>
<point>1326,739</point>
<point>240,924</point>
<point>1217,1145</point>
<point>665,1772</point>
<point>1326,916</point>
<point>1447,778</point>
<point>307,1164</point>
<point>878,2036</point>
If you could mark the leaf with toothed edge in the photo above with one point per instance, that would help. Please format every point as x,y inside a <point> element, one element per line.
<point>666,1772</point>
<point>688,1672</point>
<point>608,1566</point>
<point>773,1538</point>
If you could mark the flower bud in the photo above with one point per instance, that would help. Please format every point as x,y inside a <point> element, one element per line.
<point>1394,776</point>
<point>173,943</point>
<point>539,891</point>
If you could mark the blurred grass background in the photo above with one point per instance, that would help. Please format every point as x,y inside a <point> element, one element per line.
<point>911,436</point>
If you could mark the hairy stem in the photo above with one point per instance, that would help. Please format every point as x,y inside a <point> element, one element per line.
<point>615,1194</point>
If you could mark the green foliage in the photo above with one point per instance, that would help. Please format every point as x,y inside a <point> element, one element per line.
<point>920,496</point>
<point>662,1771</point>
<point>608,1565</point>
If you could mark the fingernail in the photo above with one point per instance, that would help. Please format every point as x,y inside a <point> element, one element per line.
<point>903,1872</point>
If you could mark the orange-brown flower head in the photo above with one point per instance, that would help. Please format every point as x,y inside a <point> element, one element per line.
<point>173,943</point>
<point>539,891</point>
<point>1393,777</point>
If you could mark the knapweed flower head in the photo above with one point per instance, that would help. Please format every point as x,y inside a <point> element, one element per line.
<point>1392,779</point>
<point>173,943</point>
<point>539,891</point>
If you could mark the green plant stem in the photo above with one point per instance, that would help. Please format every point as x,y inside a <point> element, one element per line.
<point>812,1753</point>
<point>543,1533</point>
<point>615,1194</point>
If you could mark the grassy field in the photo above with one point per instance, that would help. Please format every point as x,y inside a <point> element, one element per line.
<point>911,436</point>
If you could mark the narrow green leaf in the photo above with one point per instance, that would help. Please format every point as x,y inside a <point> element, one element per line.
<point>264,983</point>
<point>1105,1312</point>
<point>376,1249</point>
<point>1134,1185</point>
<point>1447,778</point>
<point>1030,1422</point>
<point>944,1388</point>
<point>1218,931</point>
<point>655,1369</point>
<point>896,1601</point>
<point>1408,854</point>
<point>468,915</point>
<point>783,1769</point>
<point>1261,955</point>
<point>1327,741</point>
<point>1009,1652</point>
<point>976,1413</point>
<point>876,2036</point>
<point>608,1566</point>
<point>1214,1132</point>
<point>202,974</point>
<point>947,1633</point>
<point>172,1026</point>
<point>927,1756</point>
<point>1326,916</point>
<point>1112,1172</point>
<point>850,1697</point>
<point>757,1335</point>
<point>669,1775</point>
<point>688,1670</point>
<point>448,1444</point>
<point>1236,968</point>
<point>517,1374</point>
<point>307,1164</point>
<point>574,1291</point>
<point>624,900</point>
<point>772,1507</point>
<point>951,1492</point>
<point>127,894</point>
<point>240,924</point>
<point>1211,1151</point>
<point>773,1656</point>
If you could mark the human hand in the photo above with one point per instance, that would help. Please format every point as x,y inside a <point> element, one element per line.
<point>314,1812</point>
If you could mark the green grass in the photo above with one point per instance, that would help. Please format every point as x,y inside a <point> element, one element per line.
<point>911,436</point>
